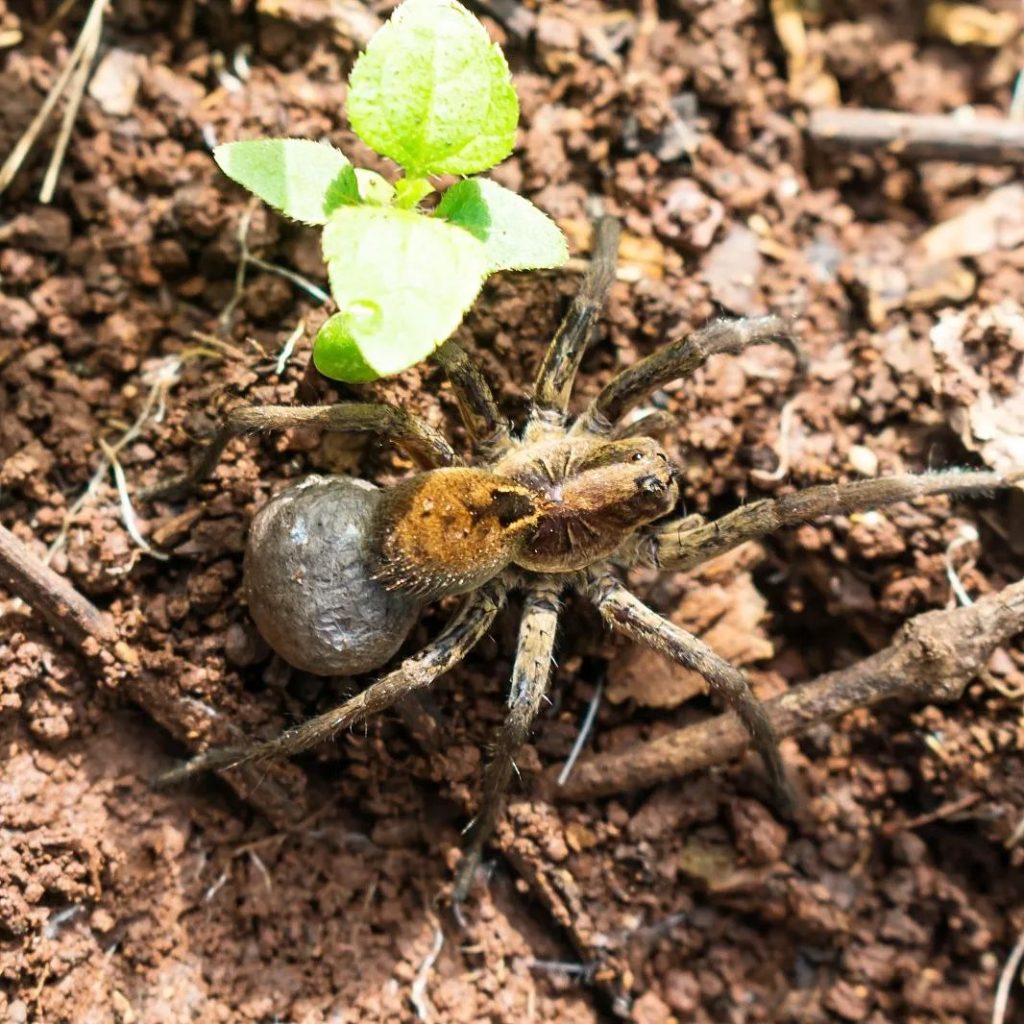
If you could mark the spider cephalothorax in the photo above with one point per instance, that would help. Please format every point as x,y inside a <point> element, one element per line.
<point>549,506</point>
<point>337,570</point>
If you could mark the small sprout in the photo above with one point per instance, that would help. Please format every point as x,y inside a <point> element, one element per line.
<point>434,94</point>
<point>396,307</point>
<point>305,180</point>
<point>515,234</point>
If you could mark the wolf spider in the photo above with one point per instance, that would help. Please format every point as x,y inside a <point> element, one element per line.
<point>567,503</point>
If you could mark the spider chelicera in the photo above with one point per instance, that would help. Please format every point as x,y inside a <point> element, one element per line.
<point>336,570</point>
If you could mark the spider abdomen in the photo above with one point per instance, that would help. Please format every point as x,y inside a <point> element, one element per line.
<point>309,585</point>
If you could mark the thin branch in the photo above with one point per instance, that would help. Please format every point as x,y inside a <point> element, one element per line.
<point>92,633</point>
<point>933,659</point>
<point>288,348</point>
<point>311,289</point>
<point>66,610</point>
<point>128,517</point>
<point>247,259</point>
<point>582,735</point>
<point>24,145</point>
<point>418,990</point>
<point>92,32</point>
<point>1006,981</point>
<point>160,380</point>
<point>982,140</point>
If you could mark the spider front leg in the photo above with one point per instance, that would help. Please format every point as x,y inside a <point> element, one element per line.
<point>682,545</point>
<point>420,440</point>
<point>477,407</point>
<point>530,677</point>
<point>628,615</point>
<point>680,359</point>
<point>420,670</point>
<point>562,359</point>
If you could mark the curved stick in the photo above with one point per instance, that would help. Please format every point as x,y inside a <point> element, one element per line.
<point>933,658</point>
<point>94,635</point>
<point>629,615</point>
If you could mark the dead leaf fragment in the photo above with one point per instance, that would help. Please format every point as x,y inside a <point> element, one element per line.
<point>971,24</point>
<point>986,410</point>
<point>115,82</point>
<point>350,20</point>
<point>732,270</point>
<point>711,863</point>
<point>993,222</point>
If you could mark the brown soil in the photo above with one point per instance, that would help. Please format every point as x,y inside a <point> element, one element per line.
<point>897,897</point>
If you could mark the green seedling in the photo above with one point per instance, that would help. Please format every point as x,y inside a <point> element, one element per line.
<point>434,94</point>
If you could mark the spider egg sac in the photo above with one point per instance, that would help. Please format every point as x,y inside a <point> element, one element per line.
<point>307,583</point>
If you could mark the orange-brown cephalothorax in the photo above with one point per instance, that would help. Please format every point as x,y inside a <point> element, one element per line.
<point>549,508</point>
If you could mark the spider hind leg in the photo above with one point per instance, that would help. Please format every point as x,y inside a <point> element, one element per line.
<point>530,676</point>
<point>415,672</point>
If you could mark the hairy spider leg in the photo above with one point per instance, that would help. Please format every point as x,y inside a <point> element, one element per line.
<point>425,444</point>
<point>679,359</point>
<point>557,372</point>
<point>419,670</point>
<point>630,616</point>
<point>684,544</point>
<point>477,408</point>
<point>530,676</point>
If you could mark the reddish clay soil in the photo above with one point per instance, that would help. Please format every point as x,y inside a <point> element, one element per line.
<point>315,893</point>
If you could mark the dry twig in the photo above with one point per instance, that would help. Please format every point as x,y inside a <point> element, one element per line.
<point>983,140</point>
<point>70,614</point>
<point>933,659</point>
<point>92,31</point>
<point>83,50</point>
<point>93,634</point>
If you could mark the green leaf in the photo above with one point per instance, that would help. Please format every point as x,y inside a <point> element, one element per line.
<point>303,179</point>
<point>336,353</point>
<point>409,191</point>
<point>402,282</point>
<point>373,188</point>
<point>433,93</point>
<point>516,234</point>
